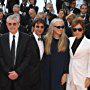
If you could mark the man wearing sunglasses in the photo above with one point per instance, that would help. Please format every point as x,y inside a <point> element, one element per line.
<point>79,68</point>
<point>37,51</point>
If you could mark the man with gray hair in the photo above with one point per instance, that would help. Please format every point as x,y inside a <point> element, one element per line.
<point>14,56</point>
<point>10,4</point>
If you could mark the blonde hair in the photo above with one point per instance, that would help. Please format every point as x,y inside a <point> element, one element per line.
<point>62,44</point>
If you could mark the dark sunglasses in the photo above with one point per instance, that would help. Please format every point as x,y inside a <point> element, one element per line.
<point>40,27</point>
<point>60,27</point>
<point>79,29</point>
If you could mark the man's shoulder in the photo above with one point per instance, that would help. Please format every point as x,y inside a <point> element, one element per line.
<point>25,35</point>
<point>5,35</point>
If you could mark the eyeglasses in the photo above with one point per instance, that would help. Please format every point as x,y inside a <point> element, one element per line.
<point>40,27</point>
<point>14,24</point>
<point>79,29</point>
<point>60,27</point>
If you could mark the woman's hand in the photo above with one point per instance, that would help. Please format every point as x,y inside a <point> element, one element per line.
<point>63,79</point>
<point>87,82</point>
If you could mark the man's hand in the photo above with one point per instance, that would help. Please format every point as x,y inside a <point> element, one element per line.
<point>13,75</point>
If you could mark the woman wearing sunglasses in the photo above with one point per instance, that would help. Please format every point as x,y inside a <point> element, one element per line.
<point>79,67</point>
<point>57,55</point>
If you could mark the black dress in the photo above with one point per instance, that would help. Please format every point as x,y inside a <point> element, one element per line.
<point>57,64</point>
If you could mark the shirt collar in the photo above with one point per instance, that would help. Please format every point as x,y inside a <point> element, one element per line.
<point>36,36</point>
<point>16,35</point>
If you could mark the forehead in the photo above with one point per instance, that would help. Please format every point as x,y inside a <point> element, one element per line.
<point>78,25</point>
<point>84,7</point>
<point>39,23</point>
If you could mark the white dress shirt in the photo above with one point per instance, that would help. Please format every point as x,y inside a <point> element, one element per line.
<point>16,41</point>
<point>40,45</point>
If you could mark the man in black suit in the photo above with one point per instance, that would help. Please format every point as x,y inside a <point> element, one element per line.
<point>14,56</point>
<point>37,51</point>
<point>84,13</point>
<point>72,7</point>
<point>10,4</point>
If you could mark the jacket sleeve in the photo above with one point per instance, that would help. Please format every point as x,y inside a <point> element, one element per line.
<point>67,56</point>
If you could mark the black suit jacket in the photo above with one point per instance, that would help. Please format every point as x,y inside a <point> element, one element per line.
<point>75,10</point>
<point>35,66</point>
<point>6,64</point>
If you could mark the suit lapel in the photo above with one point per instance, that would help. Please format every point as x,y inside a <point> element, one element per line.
<point>36,46</point>
<point>19,46</point>
<point>71,43</point>
<point>7,44</point>
<point>80,46</point>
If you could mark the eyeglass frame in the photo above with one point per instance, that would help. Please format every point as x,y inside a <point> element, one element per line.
<point>60,27</point>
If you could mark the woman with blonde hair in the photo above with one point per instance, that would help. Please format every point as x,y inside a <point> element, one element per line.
<point>57,55</point>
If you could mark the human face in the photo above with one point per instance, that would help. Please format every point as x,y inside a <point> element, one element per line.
<point>12,26</point>
<point>32,1</point>
<point>32,13</point>
<point>73,4</point>
<point>78,33</point>
<point>1,15</point>
<point>39,29</point>
<point>84,9</point>
<point>16,10</point>
<point>58,29</point>
<point>61,14</point>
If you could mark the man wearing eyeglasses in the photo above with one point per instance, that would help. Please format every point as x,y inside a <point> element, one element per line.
<point>14,56</point>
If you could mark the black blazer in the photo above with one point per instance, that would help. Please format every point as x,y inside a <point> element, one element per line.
<point>6,64</point>
<point>75,10</point>
<point>35,65</point>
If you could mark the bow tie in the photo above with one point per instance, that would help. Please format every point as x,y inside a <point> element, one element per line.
<point>40,39</point>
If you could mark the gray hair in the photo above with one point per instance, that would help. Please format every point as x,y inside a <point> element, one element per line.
<point>56,20</point>
<point>13,17</point>
<point>17,6</point>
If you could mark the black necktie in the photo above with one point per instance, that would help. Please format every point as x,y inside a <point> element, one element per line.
<point>13,50</point>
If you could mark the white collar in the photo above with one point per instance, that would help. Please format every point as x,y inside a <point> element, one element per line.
<point>16,34</point>
<point>36,36</point>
